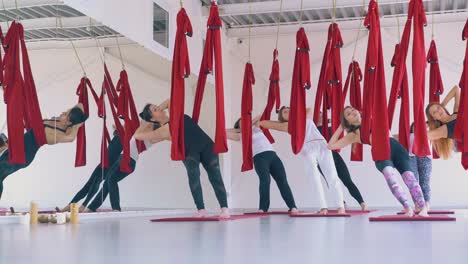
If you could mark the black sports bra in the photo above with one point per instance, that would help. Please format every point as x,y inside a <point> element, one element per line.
<point>451,126</point>
<point>53,127</point>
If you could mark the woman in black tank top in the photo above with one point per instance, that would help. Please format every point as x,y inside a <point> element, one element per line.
<point>198,149</point>
<point>442,124</point>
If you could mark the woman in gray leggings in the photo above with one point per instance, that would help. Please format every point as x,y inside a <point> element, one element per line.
<point>422,168</point>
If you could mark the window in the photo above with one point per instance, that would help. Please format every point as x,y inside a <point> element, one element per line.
<point>160,25</point>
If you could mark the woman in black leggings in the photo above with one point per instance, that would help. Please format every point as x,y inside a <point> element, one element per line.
<point>266,163</point>
<point>114,176</point>
<point>343,172</point>
<point>198,149</point>
<point>91,187</point>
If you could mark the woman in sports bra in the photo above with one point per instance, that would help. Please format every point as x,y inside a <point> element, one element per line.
<point>442,123</point>
<point>314,153</point>
<point>58,130</point>
<point>399,159</point>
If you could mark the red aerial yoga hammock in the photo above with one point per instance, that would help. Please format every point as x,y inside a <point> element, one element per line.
<point>123,106</point>
<point>180,71</point>
<point>400,90</point>
<point>246,118</point>
<point>127,111</point>
<point>112,96</point>
<point>416,10</point>
<point>353,83</point>
<point>2,40</point>
<point>461,127</point>
<point>213,51</point>
<point>436,86</point>
<point>82,92</point>
<point>20,95</point>
<point>330,84</point>
<point>300,82</point>
<point>375,117</point>
<point>105,133</point>
<point>273,95</point>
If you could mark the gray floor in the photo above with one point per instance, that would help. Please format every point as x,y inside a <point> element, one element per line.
<point>274,239</point>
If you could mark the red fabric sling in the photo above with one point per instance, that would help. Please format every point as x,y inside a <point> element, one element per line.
<point>323,89</point>
<point>461,127</point>
<point>436,86</point>
<point>82,92</point>
<point>273,94</point>
<point>213,51</point>
<point>335,78</point>
<point>416,11</point>
<point>20,95</point>
<point>127,111</point>
<point>300,82</point>
<point>180,71</point>
<point>105,133</point>
<point>400,90</point>
<point>374,116</point>
<point>353,83</point>
<point>246,118</point>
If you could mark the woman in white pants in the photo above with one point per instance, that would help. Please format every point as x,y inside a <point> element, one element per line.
<point>314,153</point>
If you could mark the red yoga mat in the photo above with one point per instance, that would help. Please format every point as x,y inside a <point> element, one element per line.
<point>330,214</point>
<point>268,213</point>
<point>434,212</point>
<point>204,219</point>
<point>353,212</point>
<point>398,218</point>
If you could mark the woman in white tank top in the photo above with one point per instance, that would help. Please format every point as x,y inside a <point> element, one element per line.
<point>314,153</point>
<point>266,163</point>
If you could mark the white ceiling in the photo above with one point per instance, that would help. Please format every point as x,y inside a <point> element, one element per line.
<point>263,15</point>
<point>51,20</point>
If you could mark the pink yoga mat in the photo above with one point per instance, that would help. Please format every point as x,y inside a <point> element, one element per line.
<point>330,214</point>
<point>353,212</point>
<point>434,212</point>
<point>387,218</point>
<point>268,213</point>
<point>204,219</point>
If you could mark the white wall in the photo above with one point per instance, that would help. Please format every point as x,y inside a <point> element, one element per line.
<point>449,181</point>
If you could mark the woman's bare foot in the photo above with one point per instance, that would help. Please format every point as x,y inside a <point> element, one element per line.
<point>66,208</point>
<point>416,209</point>
<point>423,212</point>
<point>82,209</point>
<point>293,211</point>
<point>364,207</point>
<point>323,211</point>
<point>224,213</point>
<point>341,210</point>
<point>409,212</point>
<point>428,206</point>
<point>201,213</point>
<point>86,210</point>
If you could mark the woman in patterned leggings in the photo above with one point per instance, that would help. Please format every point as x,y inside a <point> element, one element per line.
<point>422,168</point>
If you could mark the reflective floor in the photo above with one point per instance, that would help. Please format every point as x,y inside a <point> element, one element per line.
<point>274,239</point>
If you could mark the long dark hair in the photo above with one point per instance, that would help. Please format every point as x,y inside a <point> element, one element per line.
<point>3,140</point>
<point>77,116</point>
<point>443,146</point>
<point>237,124</point>
<point>345,123</point>
<point>146,115</point>
<point>280,114</point>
